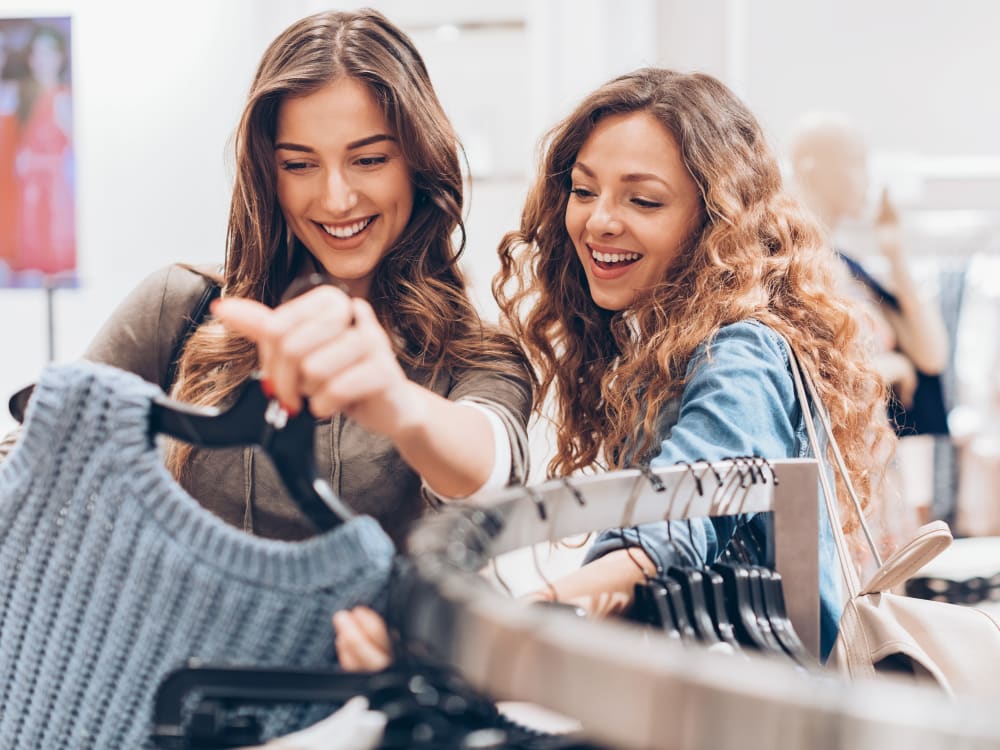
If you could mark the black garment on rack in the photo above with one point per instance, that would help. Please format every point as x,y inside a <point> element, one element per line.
<point>928,414</point>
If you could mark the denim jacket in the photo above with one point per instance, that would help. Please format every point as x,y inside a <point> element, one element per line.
<point>739,401</point>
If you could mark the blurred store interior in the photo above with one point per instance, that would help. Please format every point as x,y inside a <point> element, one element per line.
<point>157,89</point>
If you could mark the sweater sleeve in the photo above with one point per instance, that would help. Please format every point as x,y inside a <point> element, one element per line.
<point>739,400</point>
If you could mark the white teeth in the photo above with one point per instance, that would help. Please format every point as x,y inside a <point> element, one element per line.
<point>614,257</point>
<point>350,230</point>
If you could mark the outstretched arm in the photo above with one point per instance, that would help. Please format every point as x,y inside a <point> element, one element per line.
<point>331,349</point>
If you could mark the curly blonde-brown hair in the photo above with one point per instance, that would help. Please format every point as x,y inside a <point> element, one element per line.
<point>418,290</point>
<point>753,254</point>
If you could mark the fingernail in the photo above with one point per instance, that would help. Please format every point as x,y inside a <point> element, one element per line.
<point>268,387</point>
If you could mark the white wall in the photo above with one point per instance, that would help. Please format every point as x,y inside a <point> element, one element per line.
<point>158,89</point>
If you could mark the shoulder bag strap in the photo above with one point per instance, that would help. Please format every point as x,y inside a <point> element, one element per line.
<point>197,316</point>
<point>800,375</point>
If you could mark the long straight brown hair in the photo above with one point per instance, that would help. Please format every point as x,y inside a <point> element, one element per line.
<point>418,290</point>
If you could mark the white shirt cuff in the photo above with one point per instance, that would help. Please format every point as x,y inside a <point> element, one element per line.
<point>502,456</point>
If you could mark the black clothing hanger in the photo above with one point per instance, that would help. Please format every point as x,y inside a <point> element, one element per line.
<point>256,420</point>
<point>692,586</point>
<point>715,594</point>
<point>774,602</point>
<point>760,609</point>
<point>739,605</point>
<point>425,707</point>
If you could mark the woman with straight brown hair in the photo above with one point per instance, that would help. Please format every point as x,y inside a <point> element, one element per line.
<point>346,165</point>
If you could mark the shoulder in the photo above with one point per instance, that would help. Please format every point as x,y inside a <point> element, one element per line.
<point>176,281</point>
<point>748,340</point>
<point>142,331</point>
<point>183,285</point>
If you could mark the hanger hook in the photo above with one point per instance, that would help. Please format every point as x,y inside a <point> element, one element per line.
<point>770,469</point>
<point>577,495</point>
<point>652,478</point>
<point>539,502</point>
<point>723,481</point>
<point>736,471</point>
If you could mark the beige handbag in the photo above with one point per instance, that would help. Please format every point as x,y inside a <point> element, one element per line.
<point>881,633</point>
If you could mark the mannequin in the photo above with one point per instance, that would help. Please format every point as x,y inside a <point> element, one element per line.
<point>828,159</point>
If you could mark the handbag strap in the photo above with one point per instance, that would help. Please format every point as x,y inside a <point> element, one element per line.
<point>197,316</point>
<point>824,417</point>
<point>849,572</point>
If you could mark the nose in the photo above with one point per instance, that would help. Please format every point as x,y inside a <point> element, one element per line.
<point>339,196</point>
<point>603,219</point>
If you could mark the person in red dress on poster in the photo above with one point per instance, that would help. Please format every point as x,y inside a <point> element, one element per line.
<point>44,160</point>
<point>9,137</point>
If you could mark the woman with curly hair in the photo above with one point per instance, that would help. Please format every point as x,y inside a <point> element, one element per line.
<point>657,262</point>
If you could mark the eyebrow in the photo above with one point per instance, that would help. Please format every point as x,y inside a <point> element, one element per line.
<point>631,177</point>
<point>350,146</point>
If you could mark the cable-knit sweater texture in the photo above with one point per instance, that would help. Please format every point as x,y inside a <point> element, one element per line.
<point>111,575</point>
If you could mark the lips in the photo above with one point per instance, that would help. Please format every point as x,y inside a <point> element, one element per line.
<point>609,258</point>
<point>346,231</point>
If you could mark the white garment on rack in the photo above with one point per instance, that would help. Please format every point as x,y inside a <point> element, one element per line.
<point>353,727</point>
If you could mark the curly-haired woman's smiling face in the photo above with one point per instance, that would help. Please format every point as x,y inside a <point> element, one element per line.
<point>632,208</point>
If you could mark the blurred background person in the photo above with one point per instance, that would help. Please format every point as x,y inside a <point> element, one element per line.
<point>828,157</point>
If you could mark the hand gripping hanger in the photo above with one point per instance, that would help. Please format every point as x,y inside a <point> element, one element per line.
<point>256,420</point>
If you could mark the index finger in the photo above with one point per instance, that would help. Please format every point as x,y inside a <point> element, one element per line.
<point>246,317</point>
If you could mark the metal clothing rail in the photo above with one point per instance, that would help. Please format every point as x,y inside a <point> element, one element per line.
<point>628,689</point>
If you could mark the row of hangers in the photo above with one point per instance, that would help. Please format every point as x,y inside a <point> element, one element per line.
<point>732,601</point>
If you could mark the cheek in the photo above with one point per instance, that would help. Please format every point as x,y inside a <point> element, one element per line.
<point>396,192</point>
<point>575,221</point>
<point>286,196</point>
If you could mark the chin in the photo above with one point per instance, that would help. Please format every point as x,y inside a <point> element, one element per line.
<point>610,304</point>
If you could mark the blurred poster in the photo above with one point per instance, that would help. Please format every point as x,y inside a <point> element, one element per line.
<point>37,206</point>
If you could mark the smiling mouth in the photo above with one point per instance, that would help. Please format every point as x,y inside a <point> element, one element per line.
<point>346,231</point>
<point>607,261</point>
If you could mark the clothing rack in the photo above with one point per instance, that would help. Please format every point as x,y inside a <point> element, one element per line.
<point>629,497</point>
<point>634,691</point>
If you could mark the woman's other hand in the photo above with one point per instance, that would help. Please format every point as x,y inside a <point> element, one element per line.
<point>362,640</point>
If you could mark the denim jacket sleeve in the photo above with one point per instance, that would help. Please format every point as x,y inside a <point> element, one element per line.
<point>739,400</point>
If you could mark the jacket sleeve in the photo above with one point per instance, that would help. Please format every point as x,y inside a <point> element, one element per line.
<point>141,333</point>
<point>507,395</point>
<point>739,400</point>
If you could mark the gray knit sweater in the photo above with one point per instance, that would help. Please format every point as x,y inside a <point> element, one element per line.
<point>111,575</point>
